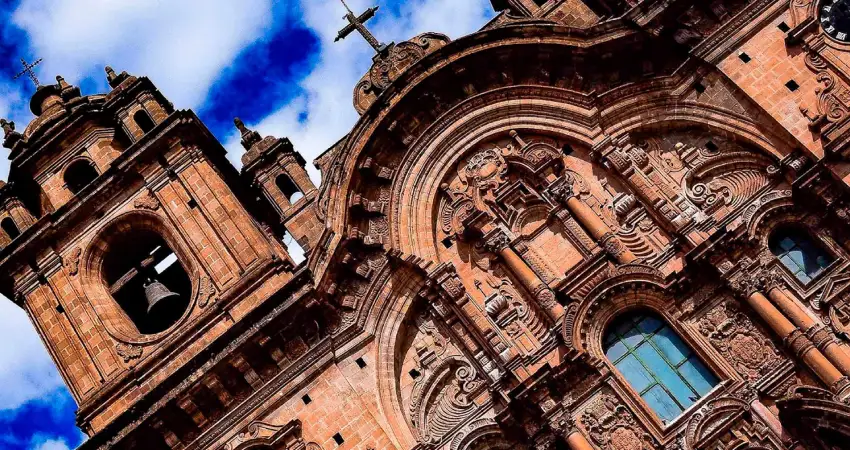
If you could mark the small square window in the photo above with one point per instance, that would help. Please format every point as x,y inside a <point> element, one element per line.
<point>60,309</point>
<point>414,374</point>
<point>361,363</point>
<point>192,203</point>
<point>306,399</point>
<point>744,57</point>
<point>448,242</point>
<point>338,439</point>
<point>792,85</point>
<point>783,27</point>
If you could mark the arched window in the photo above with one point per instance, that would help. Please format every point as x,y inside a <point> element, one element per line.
<point>79,174</point>
<point>288,188</point>
<point>658,365</point>
<point>147,280</point>
<point>10,228</point>
<point>144,121</point>
<point>799,253</point>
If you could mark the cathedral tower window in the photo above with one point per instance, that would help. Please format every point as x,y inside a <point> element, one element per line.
<point>10,228</point>
<point>657,364</point>
<point>79,174</point>
<point>144,121</point>
<point>288,188</point>
<point>147,280</point>
<point>799,253</point>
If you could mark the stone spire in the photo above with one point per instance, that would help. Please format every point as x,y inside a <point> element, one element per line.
<point>249,137</point>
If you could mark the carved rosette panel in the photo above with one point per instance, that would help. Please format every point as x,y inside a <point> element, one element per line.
<point>610,425</point>
<point>735,336</point>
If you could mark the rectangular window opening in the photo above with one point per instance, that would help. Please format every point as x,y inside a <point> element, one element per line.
<point>306,399</point>
<point>192,203</point>
<point>60,309</point>
<point>744,57</point>
<point>338,439</point>
<point>792,85</point>
<point>448,242</point>
<point>414,374</point>
<point>361,363</point>
<point>783,27</point>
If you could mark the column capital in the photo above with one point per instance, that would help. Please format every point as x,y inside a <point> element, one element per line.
<point>496,240</point>
<point>562,190</point>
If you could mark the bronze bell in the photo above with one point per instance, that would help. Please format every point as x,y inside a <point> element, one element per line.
<point>156,294</point>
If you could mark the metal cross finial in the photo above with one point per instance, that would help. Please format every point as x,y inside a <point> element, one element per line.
<point>28,71</point>
<point>356,23</point>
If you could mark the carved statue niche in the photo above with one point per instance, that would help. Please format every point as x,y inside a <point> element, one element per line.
<point>511,313</point>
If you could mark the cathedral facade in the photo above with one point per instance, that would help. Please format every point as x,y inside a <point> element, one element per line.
<point>592,224</point>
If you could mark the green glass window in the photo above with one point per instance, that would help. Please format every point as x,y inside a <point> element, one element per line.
<point>799,253</point>
<point>657,364</point>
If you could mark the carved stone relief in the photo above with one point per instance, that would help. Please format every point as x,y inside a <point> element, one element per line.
<point>610,425</point>
<point>735,336</point>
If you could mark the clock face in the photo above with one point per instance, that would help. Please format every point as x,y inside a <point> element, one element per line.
<point>835,19</point>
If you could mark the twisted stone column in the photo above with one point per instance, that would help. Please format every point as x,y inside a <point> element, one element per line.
<point>591,222</point>
<point>497,242</point>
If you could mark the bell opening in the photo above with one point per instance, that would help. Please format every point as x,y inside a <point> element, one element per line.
<point>147,281</point>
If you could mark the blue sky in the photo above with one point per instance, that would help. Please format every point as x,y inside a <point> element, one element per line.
<point>271,62</point>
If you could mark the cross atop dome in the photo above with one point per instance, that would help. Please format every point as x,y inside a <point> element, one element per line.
<point>28,70</point>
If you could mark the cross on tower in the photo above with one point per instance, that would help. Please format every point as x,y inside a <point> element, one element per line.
<point>28,71</point>
<point>356,23</point>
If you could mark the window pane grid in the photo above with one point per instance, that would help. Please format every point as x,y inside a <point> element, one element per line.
<point>639,340</point>
<point>800,254</point>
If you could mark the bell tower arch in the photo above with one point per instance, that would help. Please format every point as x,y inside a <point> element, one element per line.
<point>143,244</point>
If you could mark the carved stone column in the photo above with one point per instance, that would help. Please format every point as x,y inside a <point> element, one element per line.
<point>750,288</point>
<point>817,333</point>
<point>591,222</point>
<point>497,242</point>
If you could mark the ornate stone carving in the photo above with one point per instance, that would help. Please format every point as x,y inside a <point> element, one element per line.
<point>206,291</point>
<point>496,242</point>
<point>833,98</point>
<point>128,352</point>
<point>736,337</point>
<point>391,64</point>
<point>72,263</point>
<point>444,399</point>
<point>610,425</point>
<point>146,201</point>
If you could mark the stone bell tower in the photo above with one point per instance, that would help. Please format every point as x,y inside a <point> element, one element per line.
<point>136,251</point>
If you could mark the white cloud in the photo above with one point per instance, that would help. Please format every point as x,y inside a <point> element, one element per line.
<point>182,45</point>
<point>27,372</point>
<point>49,444</point>
<point>324,113</point>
